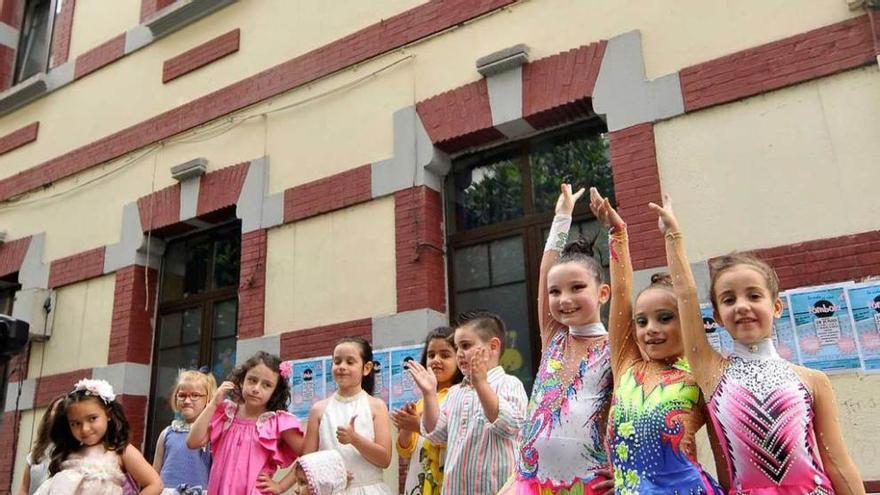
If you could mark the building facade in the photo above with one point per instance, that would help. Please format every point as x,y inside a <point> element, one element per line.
<point>185,182</point>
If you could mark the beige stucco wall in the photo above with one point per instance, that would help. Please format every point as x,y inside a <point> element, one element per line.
<point>81,330</point>
<point>97,21</point>
<point>788,166</point>
<point>275,33</point>
<point>331,268</point>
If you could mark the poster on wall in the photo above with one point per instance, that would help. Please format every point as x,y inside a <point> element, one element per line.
<point>823,327</point>
<point>864,306</point>
<point>306,385</point>
<point>329,384</point>
<point>783,334</point>
<point>382,370</point>
<point>403,388</point>
<point>718,337</point>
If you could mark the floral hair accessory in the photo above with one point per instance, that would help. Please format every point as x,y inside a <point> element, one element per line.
<point>97,388</point>
<point>285,369</point>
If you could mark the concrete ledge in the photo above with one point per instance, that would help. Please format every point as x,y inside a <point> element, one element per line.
<point>26,400</point>
<point>126,378</point>
<point>245,348</point>
<point>407,328</point>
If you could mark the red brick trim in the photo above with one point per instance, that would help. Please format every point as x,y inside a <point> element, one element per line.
<point>796,59</point>
<point>382,37</point>
<point>12,255</point>
<point>418,228</point>
<point>557,89</point>
<point>824,261</point>
<point>11,12</point>
<point>7,67</point>
<point>221,188</point>
<point>61,33</point>
<point>872,486</point>
<point>328,194</point>
<point>459,118</point>
<point>135,407</point>
<point>637,182</point>
<point>51,386</point>
<point>874,19</point>
<point>200,56</point>
<point>160,209</point>
<point>8,446</point>
<point>98,57</point>
<point>252,285</point>
<point>18,138</point>
<point>319,341</point>
<point>150,7</point>
<point>76,268</point>
<point>131,330</point>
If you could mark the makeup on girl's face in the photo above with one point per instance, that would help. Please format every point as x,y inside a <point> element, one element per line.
<point>746,308</point>
<point>658,328</point>
<point>575,294</point>
<point>441,360</point>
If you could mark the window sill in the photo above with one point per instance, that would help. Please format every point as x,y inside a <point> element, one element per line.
<point>168,20</point>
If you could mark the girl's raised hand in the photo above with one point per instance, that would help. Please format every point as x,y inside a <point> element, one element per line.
<point>345,434</point>
<point>225,388</point>
<point>667,222</point>
<point>406,418</point>
<point>566,201</point>
<point>603,211</point>
<point>424,378</point>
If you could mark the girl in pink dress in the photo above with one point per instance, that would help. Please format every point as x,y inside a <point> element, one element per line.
<point>252,435</point>
<point>776,422</point>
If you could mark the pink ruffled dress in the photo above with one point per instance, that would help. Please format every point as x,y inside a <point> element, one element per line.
<point>244,448</point>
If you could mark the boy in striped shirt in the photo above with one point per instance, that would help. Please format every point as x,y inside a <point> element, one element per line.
<point>481,418</point>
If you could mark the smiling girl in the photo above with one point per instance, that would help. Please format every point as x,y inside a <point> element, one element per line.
<point>425,474</point>
<point>657,408</point>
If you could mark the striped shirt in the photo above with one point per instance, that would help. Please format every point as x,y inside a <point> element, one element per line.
<point>480,456</point>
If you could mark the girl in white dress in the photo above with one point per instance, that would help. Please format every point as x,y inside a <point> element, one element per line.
<point>353,422</point>
<point>92,453</point>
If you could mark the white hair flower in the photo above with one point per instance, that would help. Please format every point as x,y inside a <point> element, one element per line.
<point>97,388</point>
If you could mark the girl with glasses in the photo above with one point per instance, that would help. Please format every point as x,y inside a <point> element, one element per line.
<point>183,469</point>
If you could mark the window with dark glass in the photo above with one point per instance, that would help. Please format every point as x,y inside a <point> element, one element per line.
<point>197,316</point>
<point>500,203</point>
<point>35,39</point>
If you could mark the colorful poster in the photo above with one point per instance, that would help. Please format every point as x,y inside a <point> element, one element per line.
<point>824,329</point>
<point>382,370</point>
<point>719,338</point>
<point>783,334</point>
<point>864,303</point>
<point>306,385</point>
<point>329,384</point>
<point>403,388</point>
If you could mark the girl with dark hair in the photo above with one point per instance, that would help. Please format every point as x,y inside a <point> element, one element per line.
<point>91,451</point>
<point>425,474</point>
<point>351,421</point>
<point>37,470</point>
<point>563,440</point>
<point>657,408</point>
<point>252,435</point>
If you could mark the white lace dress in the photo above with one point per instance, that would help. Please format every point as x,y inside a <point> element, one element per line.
<point>367,478</point>
<point>93,474</point>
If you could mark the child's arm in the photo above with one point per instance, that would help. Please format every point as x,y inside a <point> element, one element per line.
<point>142,472</point>
<point>377,451</point>
<point>295,439</point>
<point>310,444</point>
<point>555,242</point>
<point>199,432</point>
<point>704,360</point>
<point>407,421</point>
<point>159,456</point>
<point>505,410</point>
<point>434,420</point>
<point>624,349</point>
<point>839,467</point>
<point>25,486</point>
